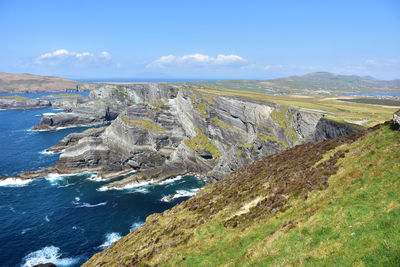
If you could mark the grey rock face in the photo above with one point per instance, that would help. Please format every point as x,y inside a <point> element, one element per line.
<point>73,139</point>
<point>396,118</point>
<point>23,103</point>
<point>327,129</point>
<point>165,130</point>
<point>104,105</point>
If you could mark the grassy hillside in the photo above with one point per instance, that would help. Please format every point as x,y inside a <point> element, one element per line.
<point>24,82</point>
<point>366,114</point>
<point>316,82</point>
<point>335,202</point>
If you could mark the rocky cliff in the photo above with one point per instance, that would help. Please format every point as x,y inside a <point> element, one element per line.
<point>19,102</point>
<point>165,130</point>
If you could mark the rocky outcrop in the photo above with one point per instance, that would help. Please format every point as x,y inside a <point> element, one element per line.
<point>68,104</point>
<point>85,114</point>
<point>164,130</point>
<point>396,118</point>
<point>103,105</point>
<point>49,264</point>
<point>328,129</point>
<point>18,102</point>
<point>73,139</point>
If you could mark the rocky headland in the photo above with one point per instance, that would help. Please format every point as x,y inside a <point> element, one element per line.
<point>19,102</point>
<point>164,130</point>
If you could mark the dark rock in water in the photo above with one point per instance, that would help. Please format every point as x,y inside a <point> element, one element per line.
<point>49,264</point>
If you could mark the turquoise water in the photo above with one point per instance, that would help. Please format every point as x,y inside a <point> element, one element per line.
<point>65,219</point>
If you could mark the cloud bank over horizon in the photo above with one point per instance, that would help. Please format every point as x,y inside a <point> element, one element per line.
<point>196,65</point>
<point>197,60</point>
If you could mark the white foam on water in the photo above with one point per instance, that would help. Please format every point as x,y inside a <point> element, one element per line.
<point>110,238</point>
<point>26,230</point>
<point>142,190</point>
<point>179,194</point>
<point>95,178</point>
<point>171,180</point>
<point>49,114</point>
<point>47,254</point>
<point>67,185</point>
<point>47,218</point>
<point>127,186</point>
<point>88,205</point>
<point>53,177</point>
<point>135,226</point>
<point>45,152</point>
<point>14,182</point>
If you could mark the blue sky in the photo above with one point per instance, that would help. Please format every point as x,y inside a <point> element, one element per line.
<point>199,39</point>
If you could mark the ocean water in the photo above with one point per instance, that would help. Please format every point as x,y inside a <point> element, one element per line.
<point>39,95</point>
<point>66,219</point>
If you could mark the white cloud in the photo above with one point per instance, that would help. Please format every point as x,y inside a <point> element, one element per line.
<point>197,60</point>
<point>63,56</point>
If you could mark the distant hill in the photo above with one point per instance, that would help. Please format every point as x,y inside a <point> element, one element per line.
<point>23,83</point>
<point>316,82</point>
<point>312,83</point>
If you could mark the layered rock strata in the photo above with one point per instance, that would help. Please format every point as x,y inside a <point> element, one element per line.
<point>164,130</point>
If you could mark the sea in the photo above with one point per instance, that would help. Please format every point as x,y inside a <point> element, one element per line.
<point>65,219</point>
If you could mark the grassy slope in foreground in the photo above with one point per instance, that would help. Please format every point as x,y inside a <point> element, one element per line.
<point>335,202</point>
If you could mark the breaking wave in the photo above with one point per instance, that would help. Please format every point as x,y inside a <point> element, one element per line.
<point>45,152</point>
<point>95,178</point>
<point>47,254</point>
<point>13,182</point>
<point>88,205</point>
<point>110,239</point>
<point>179,194</point>
<point>127,186</point>
<point>135,226</point>
<point>171,180</point>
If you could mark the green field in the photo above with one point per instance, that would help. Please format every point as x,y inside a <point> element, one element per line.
<point>360,113</point>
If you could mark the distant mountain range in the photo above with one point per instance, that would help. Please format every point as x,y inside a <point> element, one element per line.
<point>316,82</point>
<point>312,83</point>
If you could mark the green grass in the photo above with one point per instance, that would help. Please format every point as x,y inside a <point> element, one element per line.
<point>145,125</point>
<point>201,142</point>
<point>374,101</point>
<point>367,114</point>
<point>317,82</point>
<point>363,198</point>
